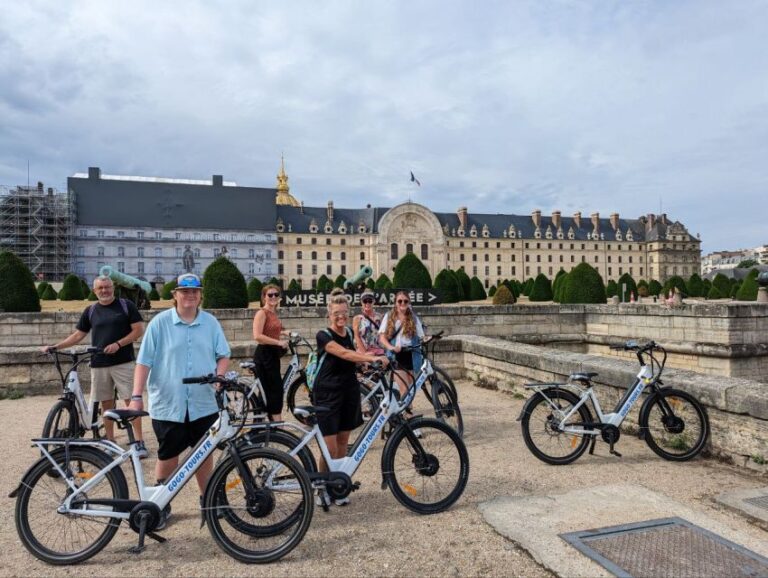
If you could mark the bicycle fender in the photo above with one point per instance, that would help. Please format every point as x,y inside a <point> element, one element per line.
<point>529,401</point>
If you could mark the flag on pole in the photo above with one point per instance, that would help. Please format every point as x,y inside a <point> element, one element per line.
<point>414,179</point>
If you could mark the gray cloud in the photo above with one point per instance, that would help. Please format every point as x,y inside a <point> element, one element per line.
<point>503,107</point>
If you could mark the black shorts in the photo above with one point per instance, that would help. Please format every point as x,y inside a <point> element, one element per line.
<point>174,437</point>
<point>267,361</point>
<point>344,406</point>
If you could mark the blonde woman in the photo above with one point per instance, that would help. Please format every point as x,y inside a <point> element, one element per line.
<point>401,328</point>
<point>336,386</point>
<point>270,336</point>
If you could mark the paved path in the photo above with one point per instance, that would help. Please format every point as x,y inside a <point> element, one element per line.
<point>375,535</point>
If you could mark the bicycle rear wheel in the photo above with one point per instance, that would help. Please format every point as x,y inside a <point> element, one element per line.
<point>675,425</point>
<point>428,473</point>
<point>541,433</point>
<point>446,407</point>
<point>67,538</point>
<point>265,523</point>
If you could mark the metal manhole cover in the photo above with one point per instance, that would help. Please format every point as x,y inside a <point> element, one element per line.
<point>668,547</point>
<point>759,501</point>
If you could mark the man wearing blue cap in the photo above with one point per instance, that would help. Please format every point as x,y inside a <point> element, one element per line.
<point>180,342</point>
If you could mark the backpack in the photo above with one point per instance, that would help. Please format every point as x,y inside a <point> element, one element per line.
<point>123,304</point>
<point>315,362</point>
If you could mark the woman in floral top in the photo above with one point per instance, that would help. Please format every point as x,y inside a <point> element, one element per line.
<point>366,326</point>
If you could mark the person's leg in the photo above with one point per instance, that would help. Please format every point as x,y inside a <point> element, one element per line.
<point>164,468</point>
<point>122,376</point>
<point>342,440</point>
<point>103,392</point>
<point>172,440</point>
<point>203,473</point>
<point>331,442</point>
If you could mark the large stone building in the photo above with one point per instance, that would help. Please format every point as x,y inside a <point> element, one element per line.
<point>155,228</point>
<point>331,241</point>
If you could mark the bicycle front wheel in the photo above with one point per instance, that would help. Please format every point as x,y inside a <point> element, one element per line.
<point>446,407</point>
<point>67,538</point>
<point>259,513</point>
<point>427,472</point>
<point>62,421</point>
<point>675,425</point>
<point>298,394</point>
<point>542,431</point>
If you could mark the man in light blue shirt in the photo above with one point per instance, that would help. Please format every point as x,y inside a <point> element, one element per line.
<point>180,342</point>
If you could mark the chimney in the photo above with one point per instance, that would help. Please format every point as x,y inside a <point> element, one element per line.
<point>301,208</point>
<point>50,191</point>
<point>217,181</point>
<point>40,187</point>
<point>649,224</point>
<point>463,217</point>
<point>94,173</point>
<point>556,219</point>
<point>330,211</point>
<point>577,219</point>
<point>615,221</point>
<point>663,218</point>
<point>595,221</point>
<point>536,218</point>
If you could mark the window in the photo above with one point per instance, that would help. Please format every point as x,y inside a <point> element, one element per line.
<point>408,248</point>
<point>314,255</point>
<point>487,271</point>
<point>485,244</point>
<point>498,257</point>
<point>158,251</point>
<point>81,251</point>
<point>487,257</point>
<point>121,253</point>
<point>121,266</point>
<point>328,256</point>
<point>549,258</point>
<point>299,240</point>
<point>196,236</point>
<point>527,258</point>
<point>159,235</point>
<point>574,256</point>
<point>100,234</point>
<point>178,252</point>
<point>80,268</point>
<point>280,255</point>
<point>251,268</point>
<point>328,270</point>
<point>298,255</point>
<point>83,233</point>
<point>461,257</point>
<point>609,258</point>
<point>474,270</point>
<point>538,258</point>
<point>513,258</point>
<point>343,241</point>
<point>233,252</point>
<point>498,270</point>
<point>299,269</point>
<point>343,269</point>
<point>121,234</point>
<point>216,253</point>
<point>610,271</point>
<point>140,267</point>
<point>100,251</point>
<point>474,256</point>
<point>140,251</point>
<point>216,236</point>
<point>158,268</point>
<point>461,243</point>
<point>251,253</point>
<point>474,244</point>
<point>314,240</point>
<point>280,269</point>
<point>178,236</point>
<point>343,256</point>
<point>595,258</point>
<point>498,246</point>
<point>513,271</point>
<point>393,251</point>
<point>362,241</point>
<point>328,241</point>
<point>196,253</point>
<point>362,255</point>
<point>424,251</point>
<point>99,265</point>
<point>561,258</point>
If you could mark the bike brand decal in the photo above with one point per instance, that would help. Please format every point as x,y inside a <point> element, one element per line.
<point>291,374</point>
<point>630,402</point>
<point>190,465</point>
<point>370,437</point>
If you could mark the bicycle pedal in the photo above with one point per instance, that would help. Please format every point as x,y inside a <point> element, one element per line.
<point>355,486</point>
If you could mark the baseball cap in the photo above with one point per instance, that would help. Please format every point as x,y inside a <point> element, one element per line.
<point>189,281</point>
<point>367,294</point>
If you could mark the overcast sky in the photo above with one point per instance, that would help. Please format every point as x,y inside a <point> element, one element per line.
<point>504,107</point>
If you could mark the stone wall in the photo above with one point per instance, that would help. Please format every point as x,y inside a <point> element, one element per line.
<point>737,407</point>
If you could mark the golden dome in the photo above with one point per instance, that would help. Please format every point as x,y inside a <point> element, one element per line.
<point>284,197</point>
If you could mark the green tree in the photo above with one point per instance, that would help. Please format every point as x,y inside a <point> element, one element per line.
<point>477,291</point>
<point>224,286</point>
<point>503,296</point>
<point>465,282</point>
<point>166,292</point>
<point>254,290</point>
<point>446,281</point>
<point>92,295</point>
<point>515,287</point>
<point>41,288</point>
<point>714,293</point>
<point>678,283</point>
<point>460,294</point>
<point>410,273</point>
<point>642,288</point>
<point>49,294</point>
<point>695,286</point>
<point>654,288</point>
<point>339,282</point>
<point>556,284</point>
<point>735,289</point>
<point>17,289</point>
<point>611,290</point>
<point>323,285</point>
<point>722,283</point>
<point>561,282</point>
<point>584,285</point>
<point>628,282</point>
<point>276,281</point>
<point>294,285</point>
<point>746,264</point>
<point>370,283</point>
<point>707,286</point>
<point>542,289</point>
<point>748,289</point>
<point>84,289</point>
<point>71,290</point>
<point>383,283</point>
<point>492,291</point>
<point>153,295</point>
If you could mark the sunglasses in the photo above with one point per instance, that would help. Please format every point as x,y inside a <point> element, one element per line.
<point>340,315</point>
<point>273,295</point>
<point>367,300</point>
<point>403,301</point>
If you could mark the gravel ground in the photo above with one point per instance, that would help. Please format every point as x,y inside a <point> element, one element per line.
<point>375,535</point>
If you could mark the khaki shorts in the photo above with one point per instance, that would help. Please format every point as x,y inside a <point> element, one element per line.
<point>104,381</point>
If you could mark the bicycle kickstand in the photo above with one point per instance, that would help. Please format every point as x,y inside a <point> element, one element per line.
<point>140,547</point>
<point>614,452</point>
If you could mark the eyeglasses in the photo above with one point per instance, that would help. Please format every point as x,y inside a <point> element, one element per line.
<point>271,295</point>
<point>340,315</point>
<point>403,301</point>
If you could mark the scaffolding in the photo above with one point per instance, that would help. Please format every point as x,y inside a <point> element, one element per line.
<point>38,225</point>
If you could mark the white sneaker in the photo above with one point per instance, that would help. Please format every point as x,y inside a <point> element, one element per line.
<point>322,498</point>
<point>341,501</point>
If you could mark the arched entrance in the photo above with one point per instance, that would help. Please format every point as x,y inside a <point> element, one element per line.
<point>409,227</point>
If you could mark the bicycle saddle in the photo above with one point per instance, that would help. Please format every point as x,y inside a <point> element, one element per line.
<point>124,414</point>
<point>585,376</point>
<point>308,410</point>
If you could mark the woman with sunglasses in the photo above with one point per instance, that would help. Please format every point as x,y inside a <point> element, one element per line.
<point>366,325</point>
<point>269,335</point>
<point>401,328</point>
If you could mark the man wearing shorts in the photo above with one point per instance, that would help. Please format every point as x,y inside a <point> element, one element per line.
<point>115,324</point>
<point>180,342</point>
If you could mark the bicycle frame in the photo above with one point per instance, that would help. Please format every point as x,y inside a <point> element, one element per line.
<point>87,412</point>
<point>160,494</point>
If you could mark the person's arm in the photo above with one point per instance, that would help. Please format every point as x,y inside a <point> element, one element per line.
<point>348,355</point>
<point>259,320</point>
<point>140,375</point>
<point>73,339</point>
<point>137,330</point>
<point>359,345</point>
<point>221,365</point>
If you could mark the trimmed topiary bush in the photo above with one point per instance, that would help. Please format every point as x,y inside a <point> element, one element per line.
<point>294,285</point>
<point>370,284</point>
<point>527,287</point>
<point>41,288</point>
<point>642,288</point>
<point>224,286</point>
<point>584,285</point>
<point>165,293</point>
<point>410,273</point>
<point>446,281</point>
<point>461,296</point>
<point>274,281</point>
<point>735,289</point>
<point>707,286</point>
<point>465,282</point>
<point>654,288</point>
<point>723,284</point>
<point>748,289</point>
<point>477,291</point>
<point>631,288</point>
<point>492,291</point>
<point>254,290</point>
<point>542,289</point>
<point>383,283</point>
<point>92,296</point>
<point>17,289</point>
<point>49,294</point>
<point>323,284</point>
<point>339,282</point>
<point>153,295</point>
<point>503,296</point>
<point>561,283</point>
<point>714,293</point>
<point>678,283</point>
<point>695,286</point>
<point>515,287</point>
<point>612,289</point>
<point>71,290</point>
